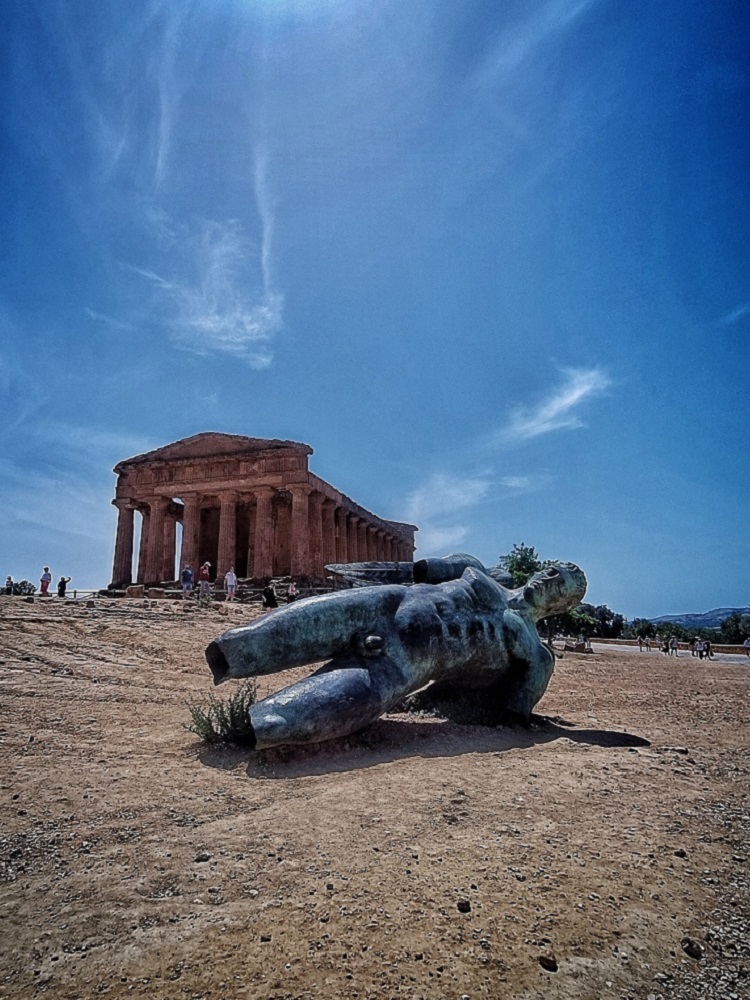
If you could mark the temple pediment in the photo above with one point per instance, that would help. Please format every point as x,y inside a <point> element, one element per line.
<point>211,444</point>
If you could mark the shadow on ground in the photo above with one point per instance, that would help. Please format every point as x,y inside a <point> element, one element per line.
<point>397,738</point>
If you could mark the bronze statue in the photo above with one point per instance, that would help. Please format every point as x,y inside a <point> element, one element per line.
<point>388,641</point>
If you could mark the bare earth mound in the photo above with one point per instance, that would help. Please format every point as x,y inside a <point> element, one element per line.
<point>602,854</point>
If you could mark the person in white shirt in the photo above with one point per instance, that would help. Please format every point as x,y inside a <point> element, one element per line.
<point>230,582</point>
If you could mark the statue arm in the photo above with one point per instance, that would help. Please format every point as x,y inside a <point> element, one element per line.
<point>531,664</point>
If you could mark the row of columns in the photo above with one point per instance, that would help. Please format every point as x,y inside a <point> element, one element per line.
<point>322,532</point>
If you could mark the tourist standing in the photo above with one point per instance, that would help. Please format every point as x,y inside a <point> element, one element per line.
<point>269,596</point>
<point>186,579</point>
<point>746,644</point>
<point>204,579</point>
<point>45,581</point>
<point>9,586</point>
<point>698,644</point>
<point>673,646</point>
<point>708,650</point>
<point>292,593</point>
<point>230,582</point>
<point>639,640</point>
<point>648,643</point>
<point>62,585</point>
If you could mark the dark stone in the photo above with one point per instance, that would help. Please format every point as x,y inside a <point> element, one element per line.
<point>548,962</point>
<point>463,906</point>
<point>692,948</point>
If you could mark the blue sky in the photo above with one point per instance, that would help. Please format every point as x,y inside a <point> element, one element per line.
<point>489,258</point>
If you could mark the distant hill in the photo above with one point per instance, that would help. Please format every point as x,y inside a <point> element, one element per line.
<point>709,619</point>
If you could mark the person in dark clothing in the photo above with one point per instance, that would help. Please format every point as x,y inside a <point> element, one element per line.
<point>269,596</point>
<point>62,584</point>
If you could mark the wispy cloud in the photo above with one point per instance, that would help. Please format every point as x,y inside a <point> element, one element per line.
<point>216,309</point>
<point>517,46</point>
<point>559,411</point>
<point>735,315</point>
<point>442,503</point>
<point>23,395</point>
<point>436,505</point>
<point>524,484</point>
<point>87,449</point>
<point>108,321</point>
<point>217,294</point>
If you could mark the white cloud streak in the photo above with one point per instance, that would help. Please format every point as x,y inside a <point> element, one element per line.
<point>435,506</point>
<point>520,44</point>
<point>213,310</point>
<point>559,411</point>
<point>735,315</point>
<point>438,506</point>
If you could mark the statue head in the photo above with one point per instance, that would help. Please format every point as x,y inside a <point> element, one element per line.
<point>555,589</point>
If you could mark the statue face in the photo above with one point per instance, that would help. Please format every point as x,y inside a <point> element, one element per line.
<point>557,588</point>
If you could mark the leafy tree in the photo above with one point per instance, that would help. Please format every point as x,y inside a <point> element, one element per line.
<point>593,622</point>
<point>23,588</point>
<point>522,563</point>
<point>576,622</point>
<point>640,626</point>
<point>735,629</point>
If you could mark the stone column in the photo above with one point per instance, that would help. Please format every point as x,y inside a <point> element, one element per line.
<point>316,534</point>
<point>342,547</point>
<point>227,533</point>
<point>143,546</point>
<point>155,548</point>
<point>191,524</point>
<point>251,513</point>
<point>366,536</point>
<point>328,513</point>
<point>300,529</point>
<point>372,542</point>
<point>380,545</point>
<point>352,520</point>
<point>263,548</point>
<point>167,561</point>
<point>122,567</point>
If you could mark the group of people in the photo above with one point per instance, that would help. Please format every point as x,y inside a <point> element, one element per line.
<point>204,582</point>
<point>45,582</point>
<point>269,595</point>
<point>669,645</point>
<point>271,598</point>
<point>701,647</point>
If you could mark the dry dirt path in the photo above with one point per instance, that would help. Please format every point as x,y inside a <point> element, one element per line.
<point>418,859</point>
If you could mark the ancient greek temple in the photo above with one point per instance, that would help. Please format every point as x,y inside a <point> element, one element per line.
<point>243,502</point>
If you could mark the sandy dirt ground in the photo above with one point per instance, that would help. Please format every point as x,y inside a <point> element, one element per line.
<point>603,853</point>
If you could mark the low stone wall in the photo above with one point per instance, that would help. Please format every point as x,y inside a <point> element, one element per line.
<point>715,648</point>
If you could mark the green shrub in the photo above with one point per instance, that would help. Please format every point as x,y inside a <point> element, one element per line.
<point>225,722</point>
<point>23,588</point>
